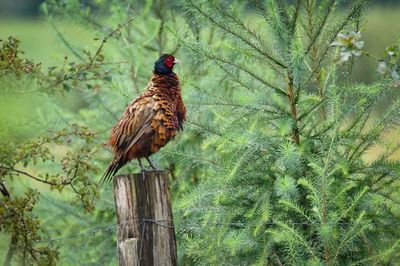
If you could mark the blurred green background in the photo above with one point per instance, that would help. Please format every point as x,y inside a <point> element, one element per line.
<point>22,19</point>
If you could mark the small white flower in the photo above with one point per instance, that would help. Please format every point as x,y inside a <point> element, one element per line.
<point>395,75</point>
<point>382,67</point>
<point>350,45</point>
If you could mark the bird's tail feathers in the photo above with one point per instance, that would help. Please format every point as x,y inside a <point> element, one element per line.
<point>112,169</point>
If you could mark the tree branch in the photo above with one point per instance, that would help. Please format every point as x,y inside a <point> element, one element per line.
<point>36,178</point>
<point>227,29</point>
<point>3,190</point>
<point>105,39</point>
<point>11,251</point>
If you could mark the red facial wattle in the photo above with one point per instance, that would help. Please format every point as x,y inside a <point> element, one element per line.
<point>169,61</point>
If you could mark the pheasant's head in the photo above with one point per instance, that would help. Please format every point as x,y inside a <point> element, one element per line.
<point>165,64</point>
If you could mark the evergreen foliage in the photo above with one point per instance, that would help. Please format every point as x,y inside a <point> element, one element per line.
<point>292,183</point>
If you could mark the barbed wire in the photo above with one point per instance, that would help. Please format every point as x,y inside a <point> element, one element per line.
<point>141,223</point>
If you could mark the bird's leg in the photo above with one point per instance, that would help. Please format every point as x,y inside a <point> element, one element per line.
<point>142,170</point>
<point>141,166</point>
<point>151,164</point>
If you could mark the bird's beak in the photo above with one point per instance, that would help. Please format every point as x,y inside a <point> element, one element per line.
<point>177,61</point>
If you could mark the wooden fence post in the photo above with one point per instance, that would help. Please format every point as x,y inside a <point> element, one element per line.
<point>146,234</point>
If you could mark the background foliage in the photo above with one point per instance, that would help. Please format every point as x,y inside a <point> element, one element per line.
<point>286,158</point>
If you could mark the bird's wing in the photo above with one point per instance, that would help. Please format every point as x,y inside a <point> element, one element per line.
<point>181,113</point>
<point>135,121</point>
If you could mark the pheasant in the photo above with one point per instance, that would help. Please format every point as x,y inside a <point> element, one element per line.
<point>150,120</point>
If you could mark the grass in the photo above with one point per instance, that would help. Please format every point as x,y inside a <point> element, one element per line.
<point>39,40</point>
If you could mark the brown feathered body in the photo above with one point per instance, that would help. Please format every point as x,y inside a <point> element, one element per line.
<point>148,123</point>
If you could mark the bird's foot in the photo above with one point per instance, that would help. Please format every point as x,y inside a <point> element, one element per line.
<point>142,170</point>
<point>153,167</point>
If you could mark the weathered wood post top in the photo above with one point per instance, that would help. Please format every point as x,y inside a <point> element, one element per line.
<point>146,233</point>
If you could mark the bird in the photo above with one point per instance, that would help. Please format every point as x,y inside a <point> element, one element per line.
<point>150,121</point>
